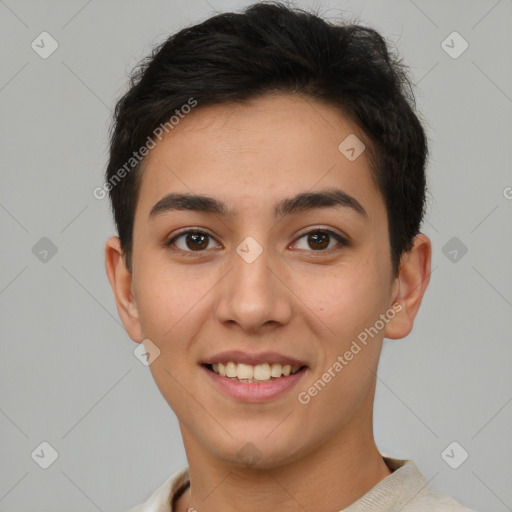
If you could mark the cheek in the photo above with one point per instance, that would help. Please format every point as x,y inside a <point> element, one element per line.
<point>168,313</point>
<point>346,300</point>
<point>164,298</point>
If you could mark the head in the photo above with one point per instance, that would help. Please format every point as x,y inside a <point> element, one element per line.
<point>302,140</point>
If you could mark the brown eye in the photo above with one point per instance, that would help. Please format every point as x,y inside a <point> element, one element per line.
<point>320,240</point>
<point>194,241</point>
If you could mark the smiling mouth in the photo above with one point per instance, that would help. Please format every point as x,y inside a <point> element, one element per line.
<point>259,373</point>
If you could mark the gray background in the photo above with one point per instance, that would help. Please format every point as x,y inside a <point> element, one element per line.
<point>68,374</point>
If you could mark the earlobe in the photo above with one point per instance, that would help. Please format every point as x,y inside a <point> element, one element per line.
<point>413,279</point>
<point>121,282</point>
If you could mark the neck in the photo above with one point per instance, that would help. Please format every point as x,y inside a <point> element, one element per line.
<point>330,477</point>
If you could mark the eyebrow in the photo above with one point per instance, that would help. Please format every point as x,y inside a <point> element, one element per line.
<point>302,202</point>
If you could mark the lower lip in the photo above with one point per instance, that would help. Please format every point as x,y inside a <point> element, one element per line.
<point>255,391</point>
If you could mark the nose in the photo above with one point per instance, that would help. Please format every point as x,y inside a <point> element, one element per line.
<point>254,295</point>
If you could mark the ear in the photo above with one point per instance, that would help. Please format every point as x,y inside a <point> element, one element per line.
<point>121,283</point>
<point>411,283</point>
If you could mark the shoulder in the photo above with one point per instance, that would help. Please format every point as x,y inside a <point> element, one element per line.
<point>161,498</point>
<point>138,508</point>
<point>433,500</point>
<point>430,500</point>
<point>407,488</point>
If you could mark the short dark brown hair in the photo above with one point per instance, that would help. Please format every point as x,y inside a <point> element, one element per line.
<point>268,48</point>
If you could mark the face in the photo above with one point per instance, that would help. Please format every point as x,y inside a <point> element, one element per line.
<point>303,285</point>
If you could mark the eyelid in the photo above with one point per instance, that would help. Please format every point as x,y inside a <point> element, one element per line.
<point>343,241</point>
<point>185,231</point>
<point>190,229</point>
<point>326,229</point>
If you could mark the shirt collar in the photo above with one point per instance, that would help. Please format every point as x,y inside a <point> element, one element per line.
<point>403,485</point>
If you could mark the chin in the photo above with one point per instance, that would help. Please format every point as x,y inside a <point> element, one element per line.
<point>258,452</point>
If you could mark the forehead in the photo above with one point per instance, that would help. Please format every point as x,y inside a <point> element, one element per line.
<point>258,152</point>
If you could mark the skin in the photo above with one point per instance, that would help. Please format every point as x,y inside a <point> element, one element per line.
<point>292,299</point>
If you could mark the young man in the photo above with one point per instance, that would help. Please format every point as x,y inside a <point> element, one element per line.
<point>267,178</point>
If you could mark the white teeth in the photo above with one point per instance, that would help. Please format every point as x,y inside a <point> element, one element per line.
<point>249,373</point>
<point>275,370</point>
<point>244,371</point>
<point>231,369</point>
<point>262,372</point>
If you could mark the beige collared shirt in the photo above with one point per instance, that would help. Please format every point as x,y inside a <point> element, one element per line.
<point>404,490</point>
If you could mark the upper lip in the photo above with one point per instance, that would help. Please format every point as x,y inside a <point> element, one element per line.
<point>237,356</point>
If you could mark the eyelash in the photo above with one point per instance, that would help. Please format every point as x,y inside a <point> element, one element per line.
<point>342,241</point>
